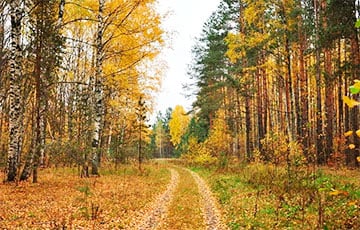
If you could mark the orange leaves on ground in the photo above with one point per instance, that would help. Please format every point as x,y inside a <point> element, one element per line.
<point>63,200</point>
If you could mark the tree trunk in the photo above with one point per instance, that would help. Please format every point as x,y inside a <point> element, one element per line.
<point>238,127</point>
<point>340,86</point>
<point>15,116</point>
<point>319,128</point>
<point>304,108</point>
<point>289,92</point>
<point>354,112</point>
<point>329,91</point>
<point>249,144</point>
<point>41,81</point>
<point>61,14</point>
<point>98,91</point>
<point>259,106</point>
<point>329,105</point>
<point>3,60</point>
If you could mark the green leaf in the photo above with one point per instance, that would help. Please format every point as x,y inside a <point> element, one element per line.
<point>354,90</point>
<point>357,24</point>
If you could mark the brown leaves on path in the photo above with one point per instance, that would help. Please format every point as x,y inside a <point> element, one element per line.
<point>151,216</point>
<point>187,204</point>
<point>185,211</point>
<point>211,213</point>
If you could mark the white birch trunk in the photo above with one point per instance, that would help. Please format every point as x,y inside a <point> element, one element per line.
<point>15,116</point>
<point>98,91</point>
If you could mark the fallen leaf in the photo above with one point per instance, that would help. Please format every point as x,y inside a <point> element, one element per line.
<point>352,203</point>
<point>338,192</point>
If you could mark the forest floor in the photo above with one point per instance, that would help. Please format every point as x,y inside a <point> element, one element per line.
<point>166,196</point>
<point>161,197</point>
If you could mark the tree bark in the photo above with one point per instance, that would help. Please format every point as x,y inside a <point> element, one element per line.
<point>329,105</point>
<point>354,112</point>
<point>319,124</point>
<point>249,144</point>
<point>289,92</point>
<point>15,116</point>
<point>98,91</point>
<point>304,102</point>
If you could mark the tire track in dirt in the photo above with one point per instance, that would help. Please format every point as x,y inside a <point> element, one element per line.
<point>211,213</point>
<point>150,218</point>
<point>185,211</point>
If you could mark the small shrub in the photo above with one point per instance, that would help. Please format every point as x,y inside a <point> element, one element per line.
<point>275,148</point>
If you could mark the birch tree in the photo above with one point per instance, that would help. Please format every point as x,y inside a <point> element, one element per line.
<point>99,107</point>
<point>15,116</point>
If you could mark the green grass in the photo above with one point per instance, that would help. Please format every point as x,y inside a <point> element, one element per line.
<point>262,196</point>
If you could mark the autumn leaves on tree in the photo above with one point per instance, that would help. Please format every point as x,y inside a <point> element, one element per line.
<point>76,71</point>
<point>72,73</point>
<point>280,69</point>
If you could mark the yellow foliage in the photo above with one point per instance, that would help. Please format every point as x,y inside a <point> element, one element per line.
<point>205,159</point>
<point>253,11</point>
<point>235,46</point>
<point>178,124</point>
<point>262,30</point>
<point>351,146</point>
<point>348,133</point>
<point>219,138</point>
<point>357,84</point>
<point>198,153</point>
<point>132,40</point>
<point>350,102</point>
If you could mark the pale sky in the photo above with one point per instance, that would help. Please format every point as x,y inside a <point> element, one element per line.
<point>186,20</point>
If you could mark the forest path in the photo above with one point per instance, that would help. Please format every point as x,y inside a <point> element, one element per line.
<point>152,216</point>
<point>187,203</point>
<point>211,213</point>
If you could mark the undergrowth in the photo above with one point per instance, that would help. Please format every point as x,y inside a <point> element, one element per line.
<point>264,196</point>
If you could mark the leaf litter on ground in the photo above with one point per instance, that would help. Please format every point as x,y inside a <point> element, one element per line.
<point>63,200</point>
